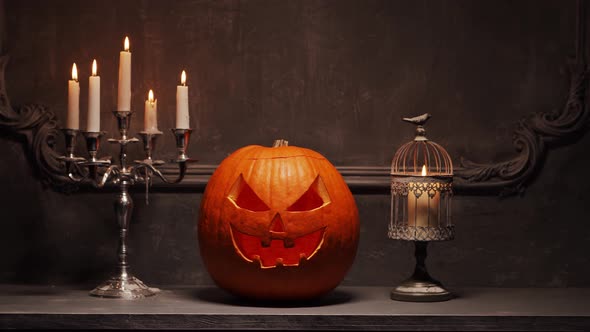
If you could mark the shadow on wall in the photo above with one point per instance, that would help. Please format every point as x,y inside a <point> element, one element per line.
<point>48,237</point>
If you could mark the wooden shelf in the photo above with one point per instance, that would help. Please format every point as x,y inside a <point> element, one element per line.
<point>347,308</point>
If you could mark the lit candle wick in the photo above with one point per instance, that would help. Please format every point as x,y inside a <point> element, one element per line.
<point>74,73</point>
<point>183,78</point>
<point>151,96</point>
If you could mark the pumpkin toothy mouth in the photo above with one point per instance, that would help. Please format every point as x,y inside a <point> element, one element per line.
<point>279,252</point>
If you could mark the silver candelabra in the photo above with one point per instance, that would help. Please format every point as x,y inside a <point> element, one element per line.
<point>100,171</point>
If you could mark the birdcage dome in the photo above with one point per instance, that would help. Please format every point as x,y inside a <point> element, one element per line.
<point>421,157</point>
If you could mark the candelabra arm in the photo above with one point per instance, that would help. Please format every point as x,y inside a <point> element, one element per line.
<point>154,170</point>
<point>112,170</point>
<point>78,170</point>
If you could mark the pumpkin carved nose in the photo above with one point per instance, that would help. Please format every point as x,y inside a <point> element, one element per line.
<point>276,224</point>
<point>277,233</point>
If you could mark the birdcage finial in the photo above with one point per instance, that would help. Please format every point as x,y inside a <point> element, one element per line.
<point>419,121</point>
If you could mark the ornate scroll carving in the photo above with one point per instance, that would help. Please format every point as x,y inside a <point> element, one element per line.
<point>535,134</point>
<point>37,126</point>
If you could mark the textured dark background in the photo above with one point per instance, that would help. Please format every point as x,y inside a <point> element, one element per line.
<point>334,76</point>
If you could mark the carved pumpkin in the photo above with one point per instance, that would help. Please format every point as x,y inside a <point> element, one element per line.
<point>277,223</point>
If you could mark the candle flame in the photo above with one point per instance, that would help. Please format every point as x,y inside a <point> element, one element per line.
<point>183,78</point>
<point>94,70</point>
<point>151,96</point>
<point>74,72</point>
<point>423,170</point>
<point>126,44</point>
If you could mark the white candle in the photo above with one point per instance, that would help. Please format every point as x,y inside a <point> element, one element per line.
<point>124,98</point>
<point>151,114</point>
<point>182,116</point>
<point>93,121</point>
<point>423,210</point>
<point>73,121</point>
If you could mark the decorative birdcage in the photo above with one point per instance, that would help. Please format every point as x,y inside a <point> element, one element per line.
<point>421,189</point>
<point>421,192</point>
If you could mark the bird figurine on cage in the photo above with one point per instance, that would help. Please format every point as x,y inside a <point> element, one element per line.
<point>419,120</point>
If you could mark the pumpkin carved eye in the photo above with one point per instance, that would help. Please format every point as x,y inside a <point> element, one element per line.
<point>314,197</point>
<point>244,197</point>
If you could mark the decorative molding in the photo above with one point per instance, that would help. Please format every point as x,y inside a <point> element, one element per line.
<point>535,134</point>
<point>532,140</point>
<point>37,126</point>
<point>360,179</point>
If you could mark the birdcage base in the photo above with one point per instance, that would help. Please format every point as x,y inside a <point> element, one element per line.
<point>413,290</point>
<point>421,287</point>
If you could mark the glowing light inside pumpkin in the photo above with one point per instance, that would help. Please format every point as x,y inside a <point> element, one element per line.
<point>276,253</point>
<point>315,196</point>
<point>423,170</point>
<point>277,247</point>
<point>244,197</point>
<point>276,226</point>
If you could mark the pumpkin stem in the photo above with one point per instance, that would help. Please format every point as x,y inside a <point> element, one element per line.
<point>280,142</point>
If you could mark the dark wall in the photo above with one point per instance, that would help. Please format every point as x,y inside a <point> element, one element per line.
<point>334,76</point>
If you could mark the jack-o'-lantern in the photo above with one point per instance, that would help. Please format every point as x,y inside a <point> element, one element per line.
<point>277,223</point>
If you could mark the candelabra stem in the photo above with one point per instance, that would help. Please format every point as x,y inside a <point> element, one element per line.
<point>420,287</point>
<point>123,210</point>
<point>123,158</point>
<point>123,285</point>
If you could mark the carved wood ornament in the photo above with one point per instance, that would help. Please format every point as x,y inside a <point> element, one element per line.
<point>532,140</point>
<point>536,134</point>
<point>37,126</point>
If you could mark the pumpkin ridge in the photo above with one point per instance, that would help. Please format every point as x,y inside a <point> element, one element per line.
<point>285,157</point>
<point>251,156</point>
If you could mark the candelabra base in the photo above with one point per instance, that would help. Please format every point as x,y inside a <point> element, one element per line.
<point>128,288</point>
<point>413,290</point>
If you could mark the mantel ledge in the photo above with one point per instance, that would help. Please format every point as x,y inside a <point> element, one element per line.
<point>346,308</point>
